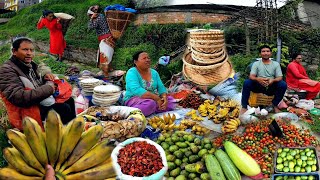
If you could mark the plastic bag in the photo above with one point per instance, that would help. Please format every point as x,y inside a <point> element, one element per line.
<point>81,104</point>
<point>49,101</point>
<point>157,176</point>
<point>64,89</point>
<point>305,104</point>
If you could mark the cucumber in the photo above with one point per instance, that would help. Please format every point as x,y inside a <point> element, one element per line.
<point>243,161</point>
<point>214,168</point>
<point>229,169</point>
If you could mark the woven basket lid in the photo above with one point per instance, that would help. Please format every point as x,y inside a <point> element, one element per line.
<point>219,74</point>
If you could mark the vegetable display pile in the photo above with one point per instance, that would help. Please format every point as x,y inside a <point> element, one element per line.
<point>139,159</point>
<point>258,142</point>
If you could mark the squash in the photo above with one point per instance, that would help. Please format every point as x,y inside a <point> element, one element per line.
<point>243,161</point>
<point>230,170</point>
<point>214,168</point>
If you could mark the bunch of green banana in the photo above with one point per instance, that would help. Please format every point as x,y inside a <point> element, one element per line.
<point>73,154</point>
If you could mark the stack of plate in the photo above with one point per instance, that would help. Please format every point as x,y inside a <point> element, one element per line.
<point>89,84</point>
<point>106,95</point>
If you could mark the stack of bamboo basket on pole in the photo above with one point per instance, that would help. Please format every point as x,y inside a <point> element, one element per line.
<point>206,61</point>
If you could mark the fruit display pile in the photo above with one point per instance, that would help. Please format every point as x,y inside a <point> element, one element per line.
<point>258,142</point>
<point>139,159</point>
<point>73,153</point>
<point>296,177</point>
<point>220,111</point>
<point>297,160</point>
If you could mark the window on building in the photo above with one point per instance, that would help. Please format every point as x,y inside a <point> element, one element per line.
<point>21,1</point>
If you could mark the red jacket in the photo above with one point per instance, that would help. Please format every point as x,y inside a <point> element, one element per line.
<point>57,42</point>
<point>295,71</point>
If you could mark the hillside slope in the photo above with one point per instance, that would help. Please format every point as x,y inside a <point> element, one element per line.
<point>78,35</point>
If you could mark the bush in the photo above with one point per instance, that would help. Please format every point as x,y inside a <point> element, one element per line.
<point>240,64</point>
<point>167,36</point>
<point>56,67</point>
<point>122,58</point>
<point>8,15</point>
<point>5,53</point>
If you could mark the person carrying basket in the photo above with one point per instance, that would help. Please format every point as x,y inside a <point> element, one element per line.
<point>107,43</point>
<point>52,23</point>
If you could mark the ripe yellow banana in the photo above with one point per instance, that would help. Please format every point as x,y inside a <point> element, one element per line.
<point>35,139</point>
<point>229,126</point>
<point>13,157</point>
<point>165,118</point>
<point>238,121</point>
<point>103,171</point>
<point>90,118</point>
<point>98,154</point>
<point>232,122</point>
<point>88,139</point>
<point>53,131</point>
<point>11,174</point>
<point>19,141</point>
<point>71,135</point>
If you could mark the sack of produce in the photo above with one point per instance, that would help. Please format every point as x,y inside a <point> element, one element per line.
<point>139,158</point>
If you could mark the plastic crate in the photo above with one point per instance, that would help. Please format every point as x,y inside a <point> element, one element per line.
<point>257,99</point>
<point>293,173</point>
<point>316,175</point>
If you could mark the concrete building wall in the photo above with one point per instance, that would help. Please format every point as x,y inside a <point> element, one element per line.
<point>15,5</point>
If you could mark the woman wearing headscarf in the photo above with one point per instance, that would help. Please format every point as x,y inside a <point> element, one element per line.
<point>144,88</point>
<point>106,46</point>
<point>57,42</point>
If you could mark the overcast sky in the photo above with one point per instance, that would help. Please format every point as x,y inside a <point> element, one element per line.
<point>224,2</point>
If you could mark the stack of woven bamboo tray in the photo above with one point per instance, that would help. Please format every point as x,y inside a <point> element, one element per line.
<point>206,61</point>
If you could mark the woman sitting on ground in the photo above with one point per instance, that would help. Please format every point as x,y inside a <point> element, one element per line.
<point>297,78</point>
<point>144,88</point>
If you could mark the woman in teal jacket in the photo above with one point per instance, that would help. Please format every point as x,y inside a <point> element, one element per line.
<point>144,88</point>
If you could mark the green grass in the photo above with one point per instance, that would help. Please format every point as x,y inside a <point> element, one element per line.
<point>3,143</point>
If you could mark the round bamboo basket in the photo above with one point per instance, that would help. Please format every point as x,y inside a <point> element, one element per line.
<point>219,74</point>
<point>209,59</point>
<point>201,32</point>
<point>207,41</point>
<point>207,50</point>
<point>200,68</point>
<point>207,35</point>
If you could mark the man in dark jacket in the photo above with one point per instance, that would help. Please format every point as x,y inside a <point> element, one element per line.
<point>22,89</point>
